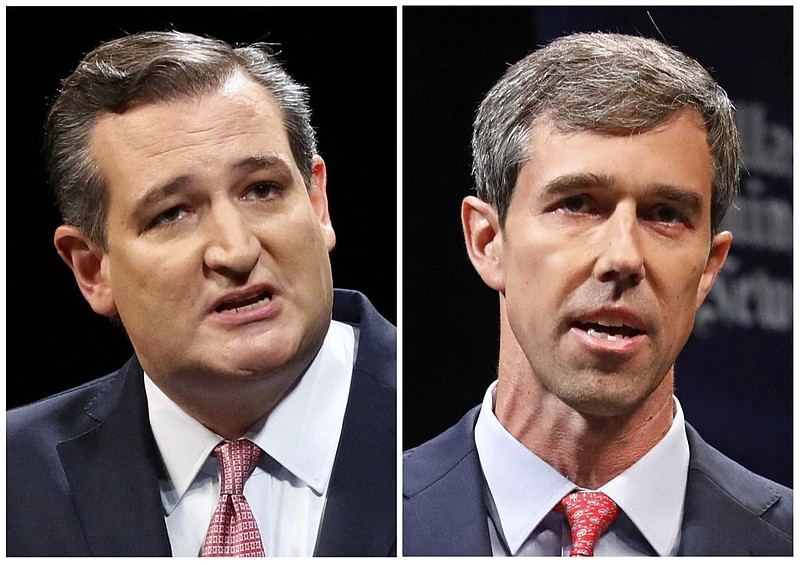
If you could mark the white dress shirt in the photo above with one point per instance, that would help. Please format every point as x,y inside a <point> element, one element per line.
<point>298,440</point>
<point>523,490</point>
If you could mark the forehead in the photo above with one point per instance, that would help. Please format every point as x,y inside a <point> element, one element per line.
<point>674,152</point>
<point>239,120</point>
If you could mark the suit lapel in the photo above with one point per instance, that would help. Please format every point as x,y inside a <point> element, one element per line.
<point>111,469</point>
<point>444,511</point>
<point>360,513</point>
<point>723,507</point>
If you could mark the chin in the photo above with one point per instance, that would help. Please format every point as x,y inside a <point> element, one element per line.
<point>603,407</point>
<point>604,403</point>
<point>259,365</point>
<point>275,356</point>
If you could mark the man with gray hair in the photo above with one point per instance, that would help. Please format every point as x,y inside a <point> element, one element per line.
<point>603,165</point>
<point>257,415</point>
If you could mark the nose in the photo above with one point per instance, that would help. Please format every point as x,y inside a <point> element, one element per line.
<point>620,258</point>
<point>232,247</point>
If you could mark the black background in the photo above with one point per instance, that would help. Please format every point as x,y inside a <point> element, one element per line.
<point>347,58</point>
<point>735,386</point>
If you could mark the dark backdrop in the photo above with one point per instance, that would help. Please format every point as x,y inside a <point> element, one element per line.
<point>734,379</point>
<point>347,58</point>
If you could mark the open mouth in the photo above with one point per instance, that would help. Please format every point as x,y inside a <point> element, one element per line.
<point>245,304</point>
<point>607,331</point>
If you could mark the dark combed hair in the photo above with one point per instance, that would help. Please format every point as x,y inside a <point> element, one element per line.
<point>612,83</point>
<point>147,68</point>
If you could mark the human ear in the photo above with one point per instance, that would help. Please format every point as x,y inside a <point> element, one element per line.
<point>484,240</point>
<point>87,261</point>
<point>720,245</point>
<point>319,200</point>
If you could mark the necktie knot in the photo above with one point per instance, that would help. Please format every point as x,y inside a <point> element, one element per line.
<point>237,460</point>
<point>589,514</point>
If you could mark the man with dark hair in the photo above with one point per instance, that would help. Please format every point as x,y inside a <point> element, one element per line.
<point>257,416</point>
<point>603,165</point>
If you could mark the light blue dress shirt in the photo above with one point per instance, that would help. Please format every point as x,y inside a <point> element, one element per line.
<point>522,491</point>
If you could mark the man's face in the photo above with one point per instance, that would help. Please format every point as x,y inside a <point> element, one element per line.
<point>217,256</point>
<point>606,255</point>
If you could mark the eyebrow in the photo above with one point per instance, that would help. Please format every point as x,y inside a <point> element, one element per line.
<point>264,162</point>
<point>575,181</point>
<point>569,183</point>
<point>176,185</point>
<point>683,197</point>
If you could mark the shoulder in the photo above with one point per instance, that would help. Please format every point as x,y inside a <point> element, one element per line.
<point>377,343</point>
<point>56,415</point>
<point>44,423</point>
<point>33,461</point>
<point>763,499</point>
<point>352,307</point>
<point>443,495</point>
<point>441,456</point>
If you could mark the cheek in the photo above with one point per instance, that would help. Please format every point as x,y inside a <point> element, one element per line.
<point>541,274</point>
<point>298,243</point>
<point>152,285</point>
<point>542,267</point>
<point>686,272</point>
<point>678,291</point>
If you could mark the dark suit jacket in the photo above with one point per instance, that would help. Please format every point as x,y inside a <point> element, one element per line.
<point>82,465</point>
<point>728,510</point>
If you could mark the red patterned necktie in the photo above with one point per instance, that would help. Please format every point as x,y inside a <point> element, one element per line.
<point>589,514</point>
<point>233,531</point>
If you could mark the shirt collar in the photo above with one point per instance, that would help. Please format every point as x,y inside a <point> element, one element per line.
<point>651,492</point>
<point>184,443</point>
<point>301,433</point>
<point>525,488</point>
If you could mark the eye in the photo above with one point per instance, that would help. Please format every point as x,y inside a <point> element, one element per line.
<point>169,216</point>
<point>575,204</point>
<point>669,215</point>
<point>262,191</point>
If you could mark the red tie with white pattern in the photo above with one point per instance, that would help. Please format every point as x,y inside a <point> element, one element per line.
<point>233,531</point>
<point>589,514</point>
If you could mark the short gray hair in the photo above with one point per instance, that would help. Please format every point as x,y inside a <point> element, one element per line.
<point>147,68</point>
<point>604,82</point>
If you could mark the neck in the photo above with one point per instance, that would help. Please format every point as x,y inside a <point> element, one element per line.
<point>588,449</point>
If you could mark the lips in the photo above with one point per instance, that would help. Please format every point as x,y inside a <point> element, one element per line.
<point>245,304</point>
<point>614,325</point>
<point>608,331</point>
<point>243,300</point>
